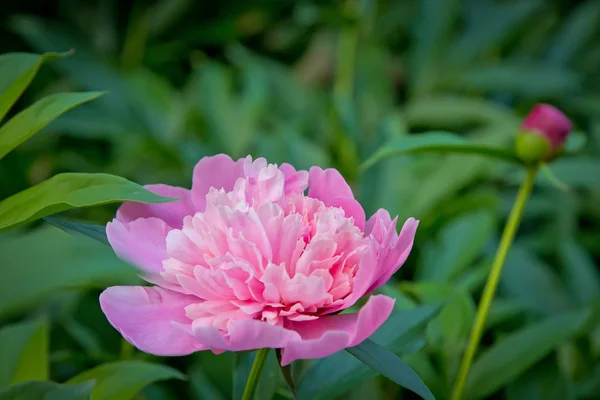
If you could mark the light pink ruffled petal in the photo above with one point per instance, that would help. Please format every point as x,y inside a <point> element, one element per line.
<point>145,316</point>
<point>395,253</point>
<point>142,242</point>
<point>249,334</point>
<point>295,181</point>
<point>329,334</point>
<point>218,171</point>
<point>327,184</point>
<point>378,224</point>
<point>172,213</point>
<point>352,208</point>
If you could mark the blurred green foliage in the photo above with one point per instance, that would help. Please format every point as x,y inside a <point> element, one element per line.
<point>320,83</point>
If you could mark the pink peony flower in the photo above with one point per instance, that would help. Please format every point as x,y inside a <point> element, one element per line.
<point>245,260</point>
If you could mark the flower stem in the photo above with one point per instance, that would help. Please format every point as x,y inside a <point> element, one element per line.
<point>506,241</point>
<point>254,377</point>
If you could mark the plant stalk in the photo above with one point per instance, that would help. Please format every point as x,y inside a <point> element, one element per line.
<point>257,367</point>
<point>489,290</point>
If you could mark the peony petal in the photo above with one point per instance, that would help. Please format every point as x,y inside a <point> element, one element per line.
<point>330,187</point>
<point>242,335</point>
<point>142,242</point>
<point>378,225</point>
<point>352,208</point>
<point>329,334</point>
<point>172,213</point>
<point>327,184</point>
<point>392,258</point>
<point>295,181</point>
<point>145,316</point>
<point>218,171</point>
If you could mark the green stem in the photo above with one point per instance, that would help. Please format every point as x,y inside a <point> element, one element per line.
<point>492,282</point>
<point>257,367</point>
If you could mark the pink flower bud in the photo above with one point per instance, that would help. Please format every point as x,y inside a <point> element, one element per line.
<point>543,133</point>
<point>549,122</point>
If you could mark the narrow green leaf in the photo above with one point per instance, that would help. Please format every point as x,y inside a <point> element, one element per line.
<point>70,190</point>
<point>29,121</point>
<point>288,375</point>
<point>121,380</point>
<point>519,79</point>
<point>17,70</point>
<point>35,266</point>
<point>335,375</point>
<point>24,349</point>
<point>580,272</point>
<point>437,142</point>
<point>387,364</point>
<point>518,351</point>
<point>97,232</point>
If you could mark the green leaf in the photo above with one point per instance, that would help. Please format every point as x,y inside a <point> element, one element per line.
<point>35,267</point>
<point>97,232</point>
<point>387,364</point>
<point>46,390</point>
<point>16,73</point>
<point>70,190</point>
<point>241,372</point>
<point>518,79</point>
<point>437,142</point>
<point>121,380</point>
<point>29,121</point>
<point>518,351</point>
<point>533,283</point>
<point>576,141</point>
<point>580,271</point>
<point>335,375</point>
<point>24,349</point>
<point>459,244</point>
<point>78,391</point>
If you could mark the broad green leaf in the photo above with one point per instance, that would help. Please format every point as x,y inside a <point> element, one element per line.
<point>337,374</point>
<point>47,390</point>
<point>437,142</point>
<point>578,172</point>
<point>200,385</point>
<point>518,351</point>
<point>121,380</point>
<point>389,365</point>
<point>543,381</point>
<point>41,263</point>
<point>503,310</point>
<point>576,141</point>
<point>77,391</point>
<point>533,283</point>
<point>241,372</point>
<point>29,121</point>
<point>580,272</point>
<point>97,232</point>
<point>16,73</point>
<point>24,349</point>
<point>459,244</point>
<point>70,190</point>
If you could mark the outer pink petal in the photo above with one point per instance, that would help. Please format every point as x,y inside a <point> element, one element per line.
<point>393,254</point>
<point>329,334</point>
<point>327,184</point>
<point>145,316</point>
<point>242,335</point>
<point>172,213</point>
<point>142,242</point>
<point>218,171</point>
<point>295,181</point>
<point>330,187</point>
